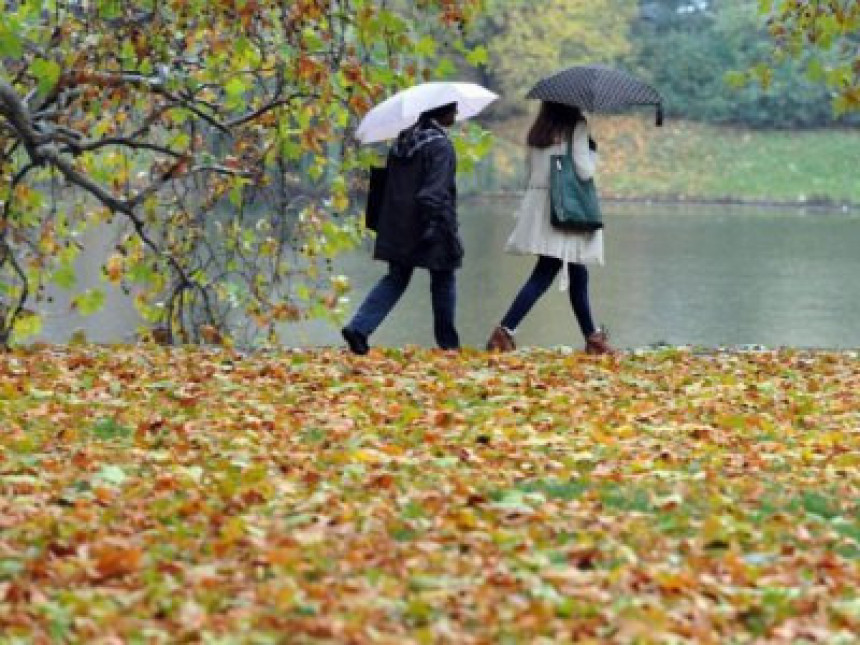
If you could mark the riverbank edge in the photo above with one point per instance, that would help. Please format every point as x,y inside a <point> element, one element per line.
<point>467,352</point>
<point>678,200</point>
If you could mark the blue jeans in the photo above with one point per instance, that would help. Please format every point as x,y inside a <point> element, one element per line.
<point>541,278</point>
<point>382,298</point>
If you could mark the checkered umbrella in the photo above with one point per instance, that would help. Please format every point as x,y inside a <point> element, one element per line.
<point>595,88</point>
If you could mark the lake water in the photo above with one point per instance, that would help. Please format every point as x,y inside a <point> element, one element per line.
<point>693,275</point>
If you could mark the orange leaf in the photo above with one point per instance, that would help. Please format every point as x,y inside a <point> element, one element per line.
<point>114,559</point>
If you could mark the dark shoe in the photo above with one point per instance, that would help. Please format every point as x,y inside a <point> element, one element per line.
<point>501,341</point>
<point>356,340</point>
<point>598,343</point>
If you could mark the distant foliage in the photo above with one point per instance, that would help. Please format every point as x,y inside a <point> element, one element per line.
<point>693,52</point>
<point>527,40</point>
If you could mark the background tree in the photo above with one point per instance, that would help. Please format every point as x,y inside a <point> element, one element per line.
<point>213,136</point>
<point>825,34</point>
<point>689,50</point>
<point>526,40</point>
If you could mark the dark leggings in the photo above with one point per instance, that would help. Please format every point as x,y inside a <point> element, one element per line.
<point>541,278</point>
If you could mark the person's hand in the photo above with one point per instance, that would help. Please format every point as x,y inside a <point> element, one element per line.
<point>432,233</point>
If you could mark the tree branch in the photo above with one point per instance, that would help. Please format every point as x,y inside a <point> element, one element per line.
<point>76,148</point>
<point>266,108</point>
<point>73,175</point>
<point>7,255</point>
<point>17,116</point>
<point>221,170</point>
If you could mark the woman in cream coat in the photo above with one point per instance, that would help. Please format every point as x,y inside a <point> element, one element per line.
<point>535,235</point>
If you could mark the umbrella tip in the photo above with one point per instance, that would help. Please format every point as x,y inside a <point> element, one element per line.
<point>659,115</point>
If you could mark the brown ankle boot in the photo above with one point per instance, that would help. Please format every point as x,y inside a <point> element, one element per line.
<point>598,343</point>
<point>501,341</point>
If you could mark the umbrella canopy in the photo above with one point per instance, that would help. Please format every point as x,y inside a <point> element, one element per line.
<point>386,120</point>
<point>595,88</point>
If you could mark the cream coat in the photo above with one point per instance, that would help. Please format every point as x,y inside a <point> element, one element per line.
<point>533,233</point>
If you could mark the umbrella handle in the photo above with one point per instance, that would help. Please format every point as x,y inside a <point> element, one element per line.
<point>659,114</point>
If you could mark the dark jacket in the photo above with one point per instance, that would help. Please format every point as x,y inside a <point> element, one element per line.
<point>418,217</point>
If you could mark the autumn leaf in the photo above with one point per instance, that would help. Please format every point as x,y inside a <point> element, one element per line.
<point>666,495</point>
<point>115,558</point>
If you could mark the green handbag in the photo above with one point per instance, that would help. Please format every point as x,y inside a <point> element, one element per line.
<point>573,202</point>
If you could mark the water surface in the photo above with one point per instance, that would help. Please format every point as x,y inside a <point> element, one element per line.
<point>675,274</point>
<point>695,275</point>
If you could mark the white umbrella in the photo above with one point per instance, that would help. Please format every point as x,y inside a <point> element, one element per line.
<point>386,120</point>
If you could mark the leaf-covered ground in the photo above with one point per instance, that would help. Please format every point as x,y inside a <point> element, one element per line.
<point>153,495</point>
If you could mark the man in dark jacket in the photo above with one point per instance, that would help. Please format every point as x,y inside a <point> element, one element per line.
<point>417,228</point>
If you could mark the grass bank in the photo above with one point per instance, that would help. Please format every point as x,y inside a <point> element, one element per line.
<point>150,495</point>
<point>692,161</point>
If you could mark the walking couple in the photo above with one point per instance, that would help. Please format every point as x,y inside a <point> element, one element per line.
<point>418,228</point>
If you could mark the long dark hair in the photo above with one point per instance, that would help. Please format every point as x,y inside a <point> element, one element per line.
<point>554,122</point>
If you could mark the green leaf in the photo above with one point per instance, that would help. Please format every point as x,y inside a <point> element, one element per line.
<point>89,302</point>
<point>478,56</point>
<point>445,69</point>
<point>108,428</point>
<point>817,504</point>
<point>815,71</point>
<point>26,326</point>
<point>141,273</point>
<point>426,46</point>
<point>235,90</point>
<point>235,196</point>
<point>47,73</point>
<point>128,53</point>
<point>180,141</point>
<point>10,43</point>
<point>10,568</point>
<point>113,475</point>
<point>65,276</point>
